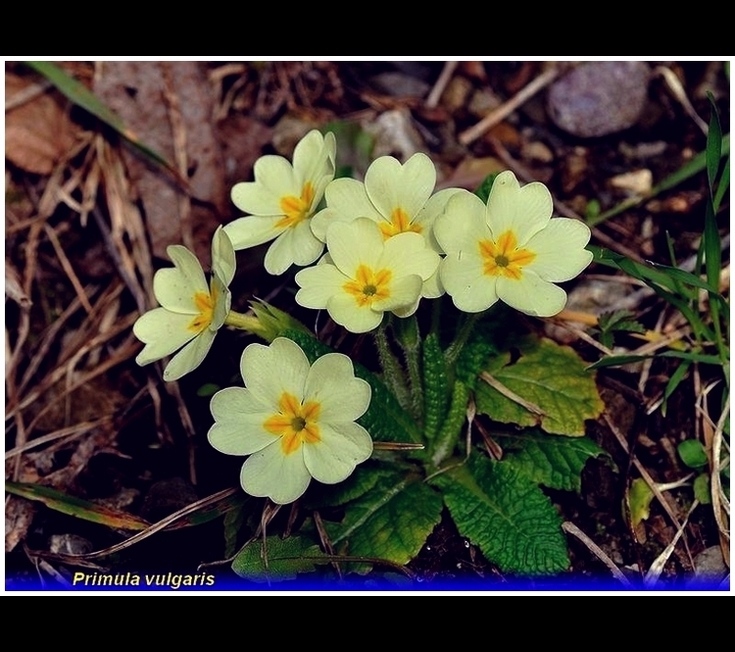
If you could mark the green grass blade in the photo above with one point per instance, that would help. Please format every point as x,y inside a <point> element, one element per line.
<point>80,95</point>
<point>722,186</point>
<point>76,507</point>
<point>713,152</point>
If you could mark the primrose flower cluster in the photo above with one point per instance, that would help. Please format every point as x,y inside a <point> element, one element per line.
<point>366,248</point>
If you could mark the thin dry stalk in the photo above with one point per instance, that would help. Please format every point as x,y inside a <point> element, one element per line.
<point>67,267</point>
<point>25,95</point>
<point>126,220</point>
<point>677,90</point>
<point>167,522</point>
<point>65,434</point>
<point>571,528</point>
<point>123,354</point>
<point>60,371</point>
<point>441,83</point>
<point>510,394</point>
<point>641,469</point>
<point>657,567</point>
<point>178,132</point>
<point>714,443</point>
<point>29,273</point>
<point>503,111</point>
<point>216,77</point>
<point>186,421</point>
<point>325,541</point>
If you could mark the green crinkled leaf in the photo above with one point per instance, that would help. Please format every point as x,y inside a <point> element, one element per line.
<point>391,521</point>
<point>365,477</point>
<point>281,559</point>
<point>505,513</point>
<point>552,377</point>
<point>555,462</point>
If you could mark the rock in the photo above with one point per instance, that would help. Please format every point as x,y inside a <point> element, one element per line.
<point>599,97</point>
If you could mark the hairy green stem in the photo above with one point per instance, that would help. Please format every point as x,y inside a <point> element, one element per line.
<point>408,336</point>
<point>393,374</point>
<point>249,323</point>
<point>454,349</point>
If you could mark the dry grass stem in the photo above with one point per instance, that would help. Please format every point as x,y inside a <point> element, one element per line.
<point>657,567</point>
<point>571,528</point>
<point>503,111</point>
<point>441,83</point>
<point>64,433</point>
<point>642,470</point>
<point>510,394</point>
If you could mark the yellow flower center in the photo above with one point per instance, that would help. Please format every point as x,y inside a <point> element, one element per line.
<point>204,302</point>
<point>504,258</point>
<point>295,423</point>
<point>369,286</point>
<point>296,209</point>
<point>400,222</point>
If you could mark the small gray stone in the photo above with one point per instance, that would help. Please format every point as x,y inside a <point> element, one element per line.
<point>599,97</point>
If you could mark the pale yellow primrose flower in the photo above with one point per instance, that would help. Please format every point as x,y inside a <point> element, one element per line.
<point>364,275</point>
<point>295,421</point>
<point>281,202</point>
<point>398,197</point>
<point>510,249</point>
<point>191,311</point>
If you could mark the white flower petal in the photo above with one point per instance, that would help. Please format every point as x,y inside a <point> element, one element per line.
<point>355,243</point>
<point>274,179</point>
<point>322,221</point>
<point>163,332</point>
<point>432,287</point>
<point>318,284</point>
<point>175,292</point>
<point>525,211</point>
<point>390,185</point>
<point>223,256</point>
<point>222,303</point>
<point>295,245</point>
<point>349,199</point>
<point>404,293</point>
<point>279,256</point>
<point>346,312</point>
<point>239,419</point>
<point>461,226</point>
<point>407,253</point>
<point>190,357</point>
<point>532,295</point>
<point>332,382</point>
<point>465,281</point>
<point>434,207</point>
<point>269,371</point>
<point>341,448</point>
<point>305,246</point>
<point>270,473</point>
<point>314,156</point>
<point>252,230</point>
<point>560,250</point>
<point>175,287</point>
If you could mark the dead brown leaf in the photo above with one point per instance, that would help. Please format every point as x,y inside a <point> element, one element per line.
<point>169,106</point>
<point>18,518</point>
<point>38,133</point>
